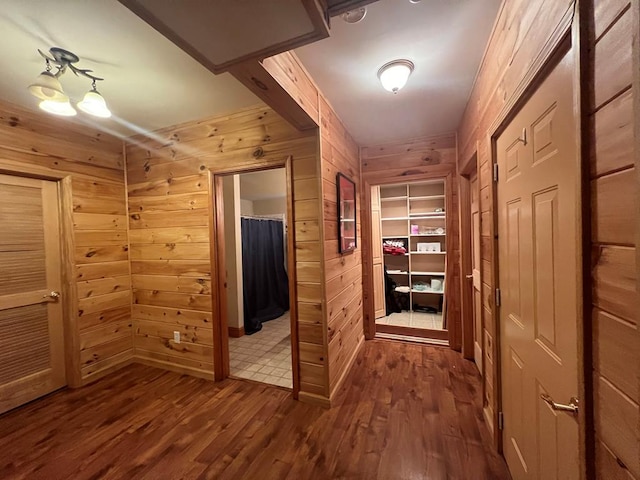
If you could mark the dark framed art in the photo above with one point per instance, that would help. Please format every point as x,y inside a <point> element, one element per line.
<point>347,236</point>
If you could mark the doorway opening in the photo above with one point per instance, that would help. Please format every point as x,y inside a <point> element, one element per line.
<point>470,245</point>
<point>255,222</point>
<point>409,245</point>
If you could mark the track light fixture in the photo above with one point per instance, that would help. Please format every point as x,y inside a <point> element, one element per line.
<point>48,89</point>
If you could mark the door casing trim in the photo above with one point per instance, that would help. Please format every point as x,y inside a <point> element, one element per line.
<point>69,291</point>
<point>218,269</point>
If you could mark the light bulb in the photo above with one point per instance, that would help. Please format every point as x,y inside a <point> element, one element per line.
<point>58,108</point>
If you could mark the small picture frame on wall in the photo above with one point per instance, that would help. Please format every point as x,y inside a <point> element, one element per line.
<point>347,235</point>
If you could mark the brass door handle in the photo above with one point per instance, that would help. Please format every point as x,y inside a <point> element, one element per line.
<point>571,408</point>
<point>470,276</point>
<point>53,294</point>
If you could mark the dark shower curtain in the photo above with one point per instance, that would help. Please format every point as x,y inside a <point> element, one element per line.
<point>264,278</point>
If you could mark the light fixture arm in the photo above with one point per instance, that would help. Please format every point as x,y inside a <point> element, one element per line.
<point>65,59</point>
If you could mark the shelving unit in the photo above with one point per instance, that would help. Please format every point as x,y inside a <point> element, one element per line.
<point>414,214</point>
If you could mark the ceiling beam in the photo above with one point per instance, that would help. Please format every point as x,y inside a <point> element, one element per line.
<point>255,77</point>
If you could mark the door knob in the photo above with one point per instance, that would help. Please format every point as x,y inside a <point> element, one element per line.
<point>470,276</point>
<point>571,408</point>
<point>53,294</point>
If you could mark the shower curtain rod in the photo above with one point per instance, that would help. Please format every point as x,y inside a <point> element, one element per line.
<point>265,217</point>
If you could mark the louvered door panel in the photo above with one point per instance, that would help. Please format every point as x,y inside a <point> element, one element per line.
<point>24,342</point>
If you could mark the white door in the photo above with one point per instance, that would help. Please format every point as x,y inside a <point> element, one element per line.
<point>539,276</point>
<point>31,333</point>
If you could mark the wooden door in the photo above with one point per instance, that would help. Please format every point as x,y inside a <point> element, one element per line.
<point>31,333</point>
<point>539,277</point>
<point>378,259</point>
<point>476,287</point>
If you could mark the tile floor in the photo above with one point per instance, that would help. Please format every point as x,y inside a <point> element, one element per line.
<point>432,321</point>
<point>264,356</point>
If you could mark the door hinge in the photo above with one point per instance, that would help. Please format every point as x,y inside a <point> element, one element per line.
<point>498,297</point>
<point>495,172</point>
<point>500,421</point>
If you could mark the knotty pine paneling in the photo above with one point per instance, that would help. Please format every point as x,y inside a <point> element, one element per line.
<point>342,273</point>
<point>100,320</point>
<point>315,187</point>
<point>169,212</point>
<point>614,195</point>
<point>414,160</point>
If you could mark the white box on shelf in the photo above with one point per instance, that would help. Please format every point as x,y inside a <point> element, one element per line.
<point>428,247</point>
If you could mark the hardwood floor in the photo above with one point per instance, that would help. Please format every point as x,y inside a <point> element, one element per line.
<point>406,412</point>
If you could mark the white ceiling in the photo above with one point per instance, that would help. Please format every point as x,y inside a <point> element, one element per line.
<point>445,39</point>
<point>263,185</point>
<point>149,82</point>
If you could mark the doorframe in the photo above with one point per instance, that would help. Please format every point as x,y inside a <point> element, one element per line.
<point>466,253</point>
<point>566,37</point>
<point>367,243</point>
<point>218,269</point>
<point>69,291</point>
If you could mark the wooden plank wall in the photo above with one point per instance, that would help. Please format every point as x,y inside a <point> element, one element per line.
<point>169,202</point>
<point>341,309</point>
<point>407,161</point>
<point>614,191</point>
<point>342,273</point>
<point>100,290</point>
<point>523,29</point>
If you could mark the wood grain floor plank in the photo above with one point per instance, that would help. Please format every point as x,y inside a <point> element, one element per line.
<point>405,412</point>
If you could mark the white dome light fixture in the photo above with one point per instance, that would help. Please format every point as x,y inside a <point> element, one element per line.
<point>394,75</point>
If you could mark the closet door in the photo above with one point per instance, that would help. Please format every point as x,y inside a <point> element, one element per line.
<point>378,260</point>
<point>31,335</point>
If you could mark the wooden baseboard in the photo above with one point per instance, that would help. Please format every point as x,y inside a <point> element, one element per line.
<point>413,332</point>
<point>345,373</point>
<point>194,372</point>
<point>313,399</point>
<point>236,332</point>
<point>103,372</point>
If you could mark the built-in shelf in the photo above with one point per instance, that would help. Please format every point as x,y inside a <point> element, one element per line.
<point>428,197</point>
<point>393,199</point>
<point>402,207</point>
<point>426,214</point>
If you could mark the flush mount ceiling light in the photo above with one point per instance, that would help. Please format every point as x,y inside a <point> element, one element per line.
<point>354,16</point>
<point>48,89</point>
<point>394,75</point>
